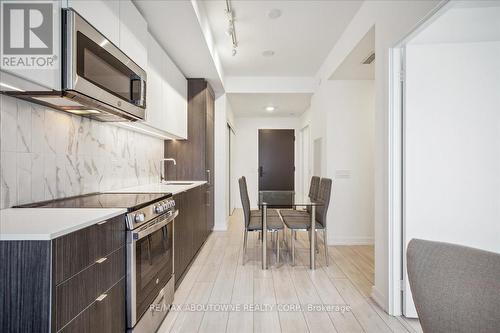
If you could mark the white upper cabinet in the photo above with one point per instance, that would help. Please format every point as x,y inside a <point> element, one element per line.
<point>175,99</point>
<point>154,98</point>
<point>103,15</point>
<point>166,101</point>
<point>133,33</point>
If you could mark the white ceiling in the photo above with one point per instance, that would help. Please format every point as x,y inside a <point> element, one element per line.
<point>253,105</point>
<point>352,68</point>
<point>301,38</point>
<point>466,21</point>
<point>175,26</point>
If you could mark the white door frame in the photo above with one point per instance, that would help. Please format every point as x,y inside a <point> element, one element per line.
<point>305,165</point>
<point>397,260</point>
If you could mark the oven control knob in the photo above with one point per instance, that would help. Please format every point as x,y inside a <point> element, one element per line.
<point>139,217</point>
<point>165,206</point>
<point>158,209</point>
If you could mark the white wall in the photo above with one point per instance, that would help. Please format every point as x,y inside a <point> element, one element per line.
<point>223,115</point>
<point>247,151</point>
<point>392,21</point>
<point>349,161</point>
<point>453,143</point>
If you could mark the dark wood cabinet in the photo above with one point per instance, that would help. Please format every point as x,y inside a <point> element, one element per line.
<point>74,283</point>
<point>106,315</point>
<point>195,156</point>
<point>209,160</point>
<point>76,251</point>
<point>190,228</point>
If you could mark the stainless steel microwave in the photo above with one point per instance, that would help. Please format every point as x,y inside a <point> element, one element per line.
<point>98,80</point>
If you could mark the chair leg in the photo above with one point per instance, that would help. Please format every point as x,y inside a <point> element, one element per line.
<point>277,246</point>
<point>326,246</point>
<point>316,240</point>
<point>245,239</point>
<point>294,235</point>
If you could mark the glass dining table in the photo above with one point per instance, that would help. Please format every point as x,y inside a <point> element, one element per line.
<point>292,203</point>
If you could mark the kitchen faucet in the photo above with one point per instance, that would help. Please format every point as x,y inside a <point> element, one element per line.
<point>163,176</point>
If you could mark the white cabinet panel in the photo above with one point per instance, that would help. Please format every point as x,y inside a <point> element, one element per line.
<point>175,91</point>
<point>133,33</point>
<point>166,101</point>
<point>154,99</point>
<point>103,15</point>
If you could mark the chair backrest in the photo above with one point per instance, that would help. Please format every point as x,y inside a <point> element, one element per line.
<point>455,288</point>
<point>324,193</point>
<point>245,200</point>
<point>313,190</point>
<point>314,187</point>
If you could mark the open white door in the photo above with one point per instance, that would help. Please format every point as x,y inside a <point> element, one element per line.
<point>451,176</point>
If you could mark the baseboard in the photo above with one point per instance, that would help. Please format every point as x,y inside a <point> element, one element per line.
<point>377,296</point>
<point>350,241</point>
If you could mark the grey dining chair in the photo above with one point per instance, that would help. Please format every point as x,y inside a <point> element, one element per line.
<point>253,219</point>
<point>313,195</point>
<point>455,288</point>
<point>301,220</point>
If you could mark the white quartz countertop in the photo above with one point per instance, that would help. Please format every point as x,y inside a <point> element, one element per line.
<point>173,187</point>
<point>49,223</point>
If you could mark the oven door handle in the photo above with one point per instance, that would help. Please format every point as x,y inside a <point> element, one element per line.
<point>155,227</point>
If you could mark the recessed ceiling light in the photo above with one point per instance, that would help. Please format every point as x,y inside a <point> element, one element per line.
<point>274,13</point>
<point>270,108</point>
<point>268,53</point>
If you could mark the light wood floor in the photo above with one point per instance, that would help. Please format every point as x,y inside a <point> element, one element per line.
<point>218,276</point>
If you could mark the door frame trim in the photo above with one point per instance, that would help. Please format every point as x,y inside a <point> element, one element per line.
<point>396,202</point>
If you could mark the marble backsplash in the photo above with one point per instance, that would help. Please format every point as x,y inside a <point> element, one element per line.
<point>47,154</point>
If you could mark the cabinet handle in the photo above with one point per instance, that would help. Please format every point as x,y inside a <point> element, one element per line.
<point>209,178</point>
<point>100,298</point>
<point>100,261</point>
<point>102,222</point>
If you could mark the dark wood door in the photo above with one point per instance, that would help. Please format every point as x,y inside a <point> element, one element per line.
<point>276,159</point>
<point>183,235</point>
<point>200,232</point>
<point>190,154</point>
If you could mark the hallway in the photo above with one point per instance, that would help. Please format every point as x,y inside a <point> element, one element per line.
<point>218,278</point>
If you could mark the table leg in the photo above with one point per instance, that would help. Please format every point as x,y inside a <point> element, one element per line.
<point>312,238</point>
<point>264,236</point>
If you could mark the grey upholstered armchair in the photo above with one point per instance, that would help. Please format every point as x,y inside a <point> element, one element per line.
<point>455,288</point>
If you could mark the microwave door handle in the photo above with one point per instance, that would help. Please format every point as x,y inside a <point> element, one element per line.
<point>134,79</point>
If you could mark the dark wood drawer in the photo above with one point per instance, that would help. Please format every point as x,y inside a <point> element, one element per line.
<point>74,295</point>
<point>74,252</point>
<point>111,235</point>
<point>105,315</point>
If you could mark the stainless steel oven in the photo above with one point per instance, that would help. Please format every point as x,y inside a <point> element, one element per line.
<point>150,276</point>
<point>98,80</point>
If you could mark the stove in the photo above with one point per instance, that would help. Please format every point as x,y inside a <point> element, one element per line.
<point>130,201</point>
<point>141,207</point>
<point>150,252</point>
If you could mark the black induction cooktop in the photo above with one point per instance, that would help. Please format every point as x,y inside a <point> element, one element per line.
<point>130,201</point>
